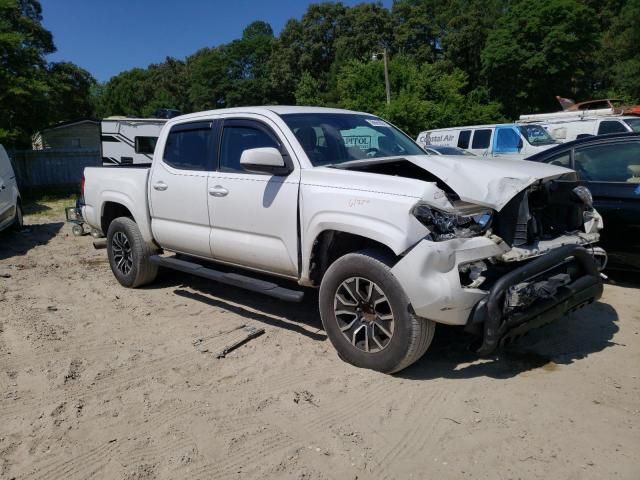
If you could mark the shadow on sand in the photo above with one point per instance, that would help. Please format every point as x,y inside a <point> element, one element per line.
<point>573,337</point>
<point>302,318</point>
<point>576,336</point>
<point>14,244</point>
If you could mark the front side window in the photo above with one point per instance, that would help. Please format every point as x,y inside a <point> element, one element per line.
<point>634,123</point>
<point>481,138</point>
<point>562,159</point>
<point>145,144</point>
<point>611,126</point>
<point>238,138</point>
<point>507,140</point>
<point>618,162</point>
<point>190,147</point>
<point>330,138</point>
<point>536,135</point>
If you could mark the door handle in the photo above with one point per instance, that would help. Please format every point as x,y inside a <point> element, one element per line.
<point>160,186</point>
<point>218,191</point>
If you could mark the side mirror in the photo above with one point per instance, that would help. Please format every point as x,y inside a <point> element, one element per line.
<point>264,160</point>
<point>520,144</point>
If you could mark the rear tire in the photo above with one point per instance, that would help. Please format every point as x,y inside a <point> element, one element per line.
<point>129,254</point>
<point>367,315</point>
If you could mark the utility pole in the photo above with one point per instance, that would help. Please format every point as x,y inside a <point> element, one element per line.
<point>386,76</point>
<point>387,88</point>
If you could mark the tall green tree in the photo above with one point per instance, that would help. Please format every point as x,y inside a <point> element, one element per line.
<point>128,93</point>
<point>247,64</point>
<point>620,57</point>
<point>537,50</point>
<point>416,32</point>
<point>70,91</point>
<point>208,82</point>
<point>307,45</point>
<point>23,71</point>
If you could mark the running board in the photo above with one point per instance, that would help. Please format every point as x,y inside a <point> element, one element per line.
<point>235,279</point>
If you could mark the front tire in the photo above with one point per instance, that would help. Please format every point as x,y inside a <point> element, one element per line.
<point>367,315</point>
<point>129,254</point>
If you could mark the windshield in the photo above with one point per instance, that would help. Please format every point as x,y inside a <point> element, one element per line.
<point>334,138</point>
<point>536,135</point>
<point>634,123</point>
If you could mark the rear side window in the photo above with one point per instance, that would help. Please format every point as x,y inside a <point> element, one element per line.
<point>190,146</point>
<point>146,144</point>
<point>618,162</point>
<point>238,138</point>
<point>611,126</point>
<point>463,139</point>
<point>481,138</point>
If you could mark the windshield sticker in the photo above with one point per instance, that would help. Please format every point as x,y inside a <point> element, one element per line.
<point>362,142</point>
<point>377,123</point>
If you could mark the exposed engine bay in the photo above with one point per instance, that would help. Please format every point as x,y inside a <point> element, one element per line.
<point>543,212</point>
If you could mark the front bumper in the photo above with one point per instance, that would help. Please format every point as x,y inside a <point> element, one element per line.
<point>497,323</point>
<point>430,276</point>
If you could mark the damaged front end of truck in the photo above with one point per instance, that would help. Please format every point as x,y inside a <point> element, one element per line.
<point>504,270</point>
<point>552,267</point>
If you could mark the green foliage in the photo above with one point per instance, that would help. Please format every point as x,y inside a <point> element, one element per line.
<point>452,62</point>
<point>621,47</point>
<point>423,96</point>
<point>308,91</point>
<point>540,49</point>
<point>33,93</point>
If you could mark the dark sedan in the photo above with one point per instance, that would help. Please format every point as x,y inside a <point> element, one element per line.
<point>609,165</point>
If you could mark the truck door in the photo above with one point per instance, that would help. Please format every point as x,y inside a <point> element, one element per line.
<point>254,216</point>
<point>178,188</point>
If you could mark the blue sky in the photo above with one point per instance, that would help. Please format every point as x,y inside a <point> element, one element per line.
<point>107,37</point>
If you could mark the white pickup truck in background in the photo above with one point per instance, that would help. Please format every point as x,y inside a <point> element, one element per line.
<point>395,240</point>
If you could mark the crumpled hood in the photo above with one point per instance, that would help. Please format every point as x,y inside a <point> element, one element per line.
<point>486,181</point>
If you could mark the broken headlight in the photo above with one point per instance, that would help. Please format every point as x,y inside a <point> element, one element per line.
<point>466,220</point>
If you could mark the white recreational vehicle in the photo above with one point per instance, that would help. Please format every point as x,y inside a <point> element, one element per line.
<point>509,140</point>
<point>128,141</point>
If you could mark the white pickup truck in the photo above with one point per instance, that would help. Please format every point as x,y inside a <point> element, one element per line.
<point>396,240</point>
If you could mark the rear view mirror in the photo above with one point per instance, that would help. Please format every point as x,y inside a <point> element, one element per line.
<point>264,160</point>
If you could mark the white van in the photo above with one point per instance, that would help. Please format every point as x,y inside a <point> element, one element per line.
<point>565,130</point>
<point>511,140</point>
<point>10,207</point>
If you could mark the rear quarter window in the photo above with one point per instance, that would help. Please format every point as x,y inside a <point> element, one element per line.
<point>463,139</point>
<point>481,138</point>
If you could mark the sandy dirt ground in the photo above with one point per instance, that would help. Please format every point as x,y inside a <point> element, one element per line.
<point>97,381</point>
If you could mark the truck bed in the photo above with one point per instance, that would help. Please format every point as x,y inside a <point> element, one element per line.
<point>109,184</point>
